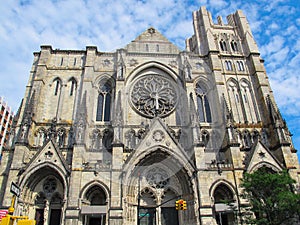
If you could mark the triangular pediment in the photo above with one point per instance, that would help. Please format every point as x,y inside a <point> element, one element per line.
<point>159,138</point>
<point>260,156</point>
<point>48,154</point>
<point>152,41</point>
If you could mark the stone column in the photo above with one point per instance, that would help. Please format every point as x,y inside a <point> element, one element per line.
<point>116,206</point>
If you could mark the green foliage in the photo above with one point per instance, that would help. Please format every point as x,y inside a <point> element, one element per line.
<point>271,197</point>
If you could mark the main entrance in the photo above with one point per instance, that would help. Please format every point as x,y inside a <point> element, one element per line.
<point>153,188</point>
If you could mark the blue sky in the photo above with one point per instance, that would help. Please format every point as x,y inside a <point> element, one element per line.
<point>74,24</point>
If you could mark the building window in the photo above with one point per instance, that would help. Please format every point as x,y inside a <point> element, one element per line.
<point>223,45</point>
<point>234,46</point>
<point>57,86</point>
<point>228,65</point>
<point>104,102</point>
<point>74,64</point>
<point>203,107</point>
<point>240,66</point>
<point>73,86</point>
<point>157,48</point>
<point>147,48</point>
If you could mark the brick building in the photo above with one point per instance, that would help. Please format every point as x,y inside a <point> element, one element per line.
<point>6,119</point>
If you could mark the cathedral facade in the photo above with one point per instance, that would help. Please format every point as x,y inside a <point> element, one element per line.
<point>117,137</point>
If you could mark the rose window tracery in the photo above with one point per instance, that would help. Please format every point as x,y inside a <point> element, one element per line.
<point>50,185</point>
<point>154,95</point>
<point>157,178</point>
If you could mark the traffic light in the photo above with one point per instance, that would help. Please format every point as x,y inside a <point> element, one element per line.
<point>183,205</point>
<point>177,205</point>
<point>180,205</point>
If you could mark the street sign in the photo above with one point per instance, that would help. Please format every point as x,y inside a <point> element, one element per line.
<point>15,189</point>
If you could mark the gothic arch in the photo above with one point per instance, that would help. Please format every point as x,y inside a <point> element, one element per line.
<point>224,185</point>
<point>104,92</point>
<point>235,100</point>
<point>142,69</point>
<point>73,86</point>
<point>57,85</point>
<point>160,169</point>
<point>264,164</point>
<point>248,99</point>
<point>44,193</point>
<point>91,184</point>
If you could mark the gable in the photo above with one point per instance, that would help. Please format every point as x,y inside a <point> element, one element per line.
<point>49,154</point>
<point>158,138</point>
<point>260,156</point>
<point>152,41</point>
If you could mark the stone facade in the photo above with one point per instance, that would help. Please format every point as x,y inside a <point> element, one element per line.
<point>99,133</point>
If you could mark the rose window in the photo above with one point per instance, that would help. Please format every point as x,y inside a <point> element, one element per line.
<point>50,185</point>
<point>154,95</point>
<point>157,178</point>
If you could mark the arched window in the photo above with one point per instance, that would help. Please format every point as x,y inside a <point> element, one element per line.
<point>57,86</point>
<point>104,102</point>
<point>203,104</point>
<point>73,86</point>
<point>96,196</point>
<point>235,100</point>
<point>250,107</point>
<point>234,46</point>
<point>240,66</point>
<point>228,65</point>
<point>223,45</point>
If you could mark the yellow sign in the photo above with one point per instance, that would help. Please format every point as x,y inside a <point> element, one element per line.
<point>26,222</point>
<point>6,221</point>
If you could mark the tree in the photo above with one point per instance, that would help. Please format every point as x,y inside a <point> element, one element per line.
<point>272,197</point>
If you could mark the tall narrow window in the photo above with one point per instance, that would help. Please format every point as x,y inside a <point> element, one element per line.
<point>223,45</point>
<point>104,102</point>
<point>240,65</point>
<point>203,104</point>
<point>73,86</point>
<point>234,46</point>
<point>228,65</point>
<point>74,64</point>
<point>57,86</point>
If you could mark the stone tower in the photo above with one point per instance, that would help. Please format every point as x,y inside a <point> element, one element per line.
<point>102,137</point>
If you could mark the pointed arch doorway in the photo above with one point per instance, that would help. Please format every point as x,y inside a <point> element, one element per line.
<point>94,206</point>
<point>43,196</point>
<point>159,180</point>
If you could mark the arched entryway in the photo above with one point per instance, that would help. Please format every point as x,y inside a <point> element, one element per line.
<point>43,196</point>
<point>94,205</point>
<point>225,205</point>
<point>154,186</point>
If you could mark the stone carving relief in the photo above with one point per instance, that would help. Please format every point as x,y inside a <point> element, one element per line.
<point>157,178</point>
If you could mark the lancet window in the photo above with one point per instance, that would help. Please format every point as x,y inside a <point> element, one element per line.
<point>223,45</point>
<point>104,102</point>
<point>73,86</point>
<point>234,46</point>
<point>228,65</point>
<point>57,86</point>
<point>203,106</point>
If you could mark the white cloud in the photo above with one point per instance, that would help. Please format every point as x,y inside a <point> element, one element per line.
<point>109,25</point>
